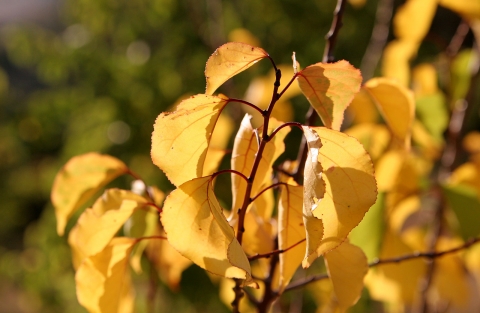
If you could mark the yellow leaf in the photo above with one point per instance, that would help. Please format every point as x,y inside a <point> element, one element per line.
<point>229,60</point>
<point>469,8</point>
<point>265,203</point>
<point>313,192</point>
<point>243,35</point>
<point>362,109</point>
<point>94,231</point>
<point>397,105</point>
<point>169,263</point>
<point>424,80</point>
<point>212,160</point>
<point>396,58</point>
<point>79,180</point>
<point>196,227</point>
<point>244,151</point>
<point>290,231</point>
<point>412,20</point>
<point>103,281</point>
<point>180,139</point>
<point>374,137</point>
<point>330,87</point>
<point>350,189</point>
<point>347,266</point>
<point>257,237</point>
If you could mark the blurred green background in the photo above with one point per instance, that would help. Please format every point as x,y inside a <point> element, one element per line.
<point>92,75</point>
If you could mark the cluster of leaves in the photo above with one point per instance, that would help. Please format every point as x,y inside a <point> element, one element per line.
<point>261,241</point>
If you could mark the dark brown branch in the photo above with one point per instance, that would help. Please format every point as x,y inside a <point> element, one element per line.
<point>274,252</point>
<point>378,39</point>
<point>399,259</point>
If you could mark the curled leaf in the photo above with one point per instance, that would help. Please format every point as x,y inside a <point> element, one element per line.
<point>196,227</point>
<point>79,180</point>
<point>229,60</point>
<point>330,87</point>
<point>180,139</point>
<point>350,189</point>
<point>103,281</point>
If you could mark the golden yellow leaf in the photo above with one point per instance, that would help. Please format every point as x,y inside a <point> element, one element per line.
<point>347,266</point>
<point>79,180</point>
<point>469,8</point>
<point>229,60</point>
<point>330,87</point>
<point>471,142</point>
<point>169,263</point>
<point>227,296</point>
<point>387,170</point>
<point>291,230</point>
<point>258,237</point>
<point>424,80</point>
<point>244,151</point>
<point>402,211</point>
<point>412,20</point>
<point>396,60</point>
<point>265,203</point>
<point>180,139</point>
<point>313,192</point>
<point>374,137</point>
<point>103,281</point>
<point>112,199</point>
<point>212,160</point>
<point>350,190</point>
<point>362,109</point>
<point>94,231</point>
<point>397,105</point>
<point>196,227</point>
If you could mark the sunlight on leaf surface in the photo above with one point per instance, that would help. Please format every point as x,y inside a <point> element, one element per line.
<point>79,180</point>
<point>330,87</point>
<point>196,227</point>
<point>103,281</point>
<point>180,139</point>
<point>229,60</point>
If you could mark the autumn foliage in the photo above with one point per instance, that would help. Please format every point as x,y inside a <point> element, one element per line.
<point>354,195</point>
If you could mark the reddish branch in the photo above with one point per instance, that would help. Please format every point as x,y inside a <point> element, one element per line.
<point>274,252</point>
<point>426,255</point>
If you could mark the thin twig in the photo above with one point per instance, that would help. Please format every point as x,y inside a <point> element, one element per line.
<point>274,252</point>
<point>378,39</point>
<point>399,259</point>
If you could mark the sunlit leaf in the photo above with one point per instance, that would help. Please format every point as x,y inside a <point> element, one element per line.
<point>347,266</point>
<point>350,188</point>
<point>412,20</point>
<point>396,104</point>
<point>362,109</point>
<point>374,137</point>
<point>313,192</point>
<point>94,231</point>
<point>291,230</point>
<point>244,151</point>
<point>258,237</point>
<point>196,227</point>
<point>212,160</point>
<point>330,87</point>
<point>79,180</point>
<point>396,60</point>
<point>424,80</point>
<point>229,60</point>
<point>461,72</point>
<point>432,111</point>
<point>102,280</point>
<point>464,7</point>
<point>180,139</point>
<point>471,142</point>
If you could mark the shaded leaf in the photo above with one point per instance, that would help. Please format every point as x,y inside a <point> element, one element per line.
<point>102,280</point>
<point>196,227</point>
<point>313,192</point>
<point>397,105</point>
<point>347,266</point>
<point>330,87</point>
<point>79,180</point>
<point>244,151</point>
<point>350,188</point>
<point>463,7</point>
<point>290,230</point>
<point>180,139</point>
<point>229,60</point>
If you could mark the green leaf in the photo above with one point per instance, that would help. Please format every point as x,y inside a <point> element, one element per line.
<point>432,111</point>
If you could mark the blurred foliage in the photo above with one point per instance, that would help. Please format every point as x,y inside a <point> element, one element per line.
<point>96,81</point>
